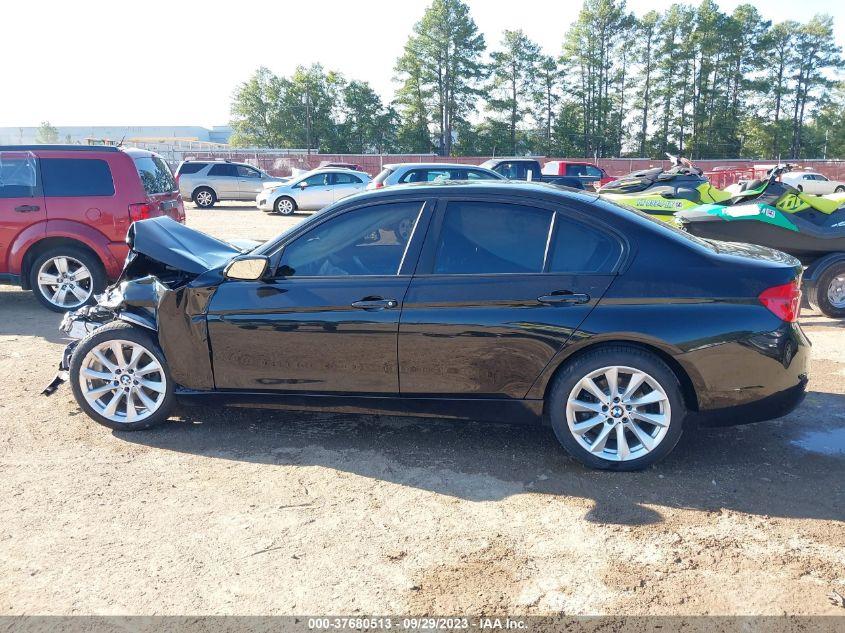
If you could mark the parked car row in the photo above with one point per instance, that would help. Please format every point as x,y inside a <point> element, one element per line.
<point>206,182</point>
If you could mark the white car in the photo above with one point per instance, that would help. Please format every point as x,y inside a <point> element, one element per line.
<point>813,182</point>
<point>404,173</point>
<point>312,190</point>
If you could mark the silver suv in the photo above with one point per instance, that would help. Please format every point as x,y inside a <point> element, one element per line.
<point>209,181</point>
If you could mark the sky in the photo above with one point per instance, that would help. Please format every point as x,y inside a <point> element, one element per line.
<point>177,62</point>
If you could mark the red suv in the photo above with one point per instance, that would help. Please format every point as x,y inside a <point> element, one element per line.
<point>64,213</point>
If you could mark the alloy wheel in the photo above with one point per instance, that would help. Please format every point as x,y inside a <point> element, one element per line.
<point>65,282</point>
<point>285,206</point>
<point>836,291</point>
<point>204,199</point>
<point>618,413</point>
<point>123,381</point>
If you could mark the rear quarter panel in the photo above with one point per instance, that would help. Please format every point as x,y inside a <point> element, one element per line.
<point>702,312</point>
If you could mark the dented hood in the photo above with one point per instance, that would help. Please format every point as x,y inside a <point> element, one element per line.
<point>179,247</point>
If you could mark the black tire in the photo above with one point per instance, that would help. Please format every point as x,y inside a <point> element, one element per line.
<point>800,188</point>
<point>608,356</point>
<point>119,330</point>
<point>839,189</point>
<point>819,298</point>
<point>89,260</point>
<point>285,212</point>
<point>202,201</point>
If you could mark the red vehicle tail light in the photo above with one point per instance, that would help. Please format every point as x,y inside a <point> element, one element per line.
<point>140,211</point>
<point>783,301</point>
<point>379,185</point>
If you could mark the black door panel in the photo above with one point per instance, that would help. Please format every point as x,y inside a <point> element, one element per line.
<point>306,335</point>
<point>487,336</point>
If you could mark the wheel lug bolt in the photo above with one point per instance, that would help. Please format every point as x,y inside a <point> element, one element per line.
<point>616,399</point>
<point>628,407</point>
<point>604,408</point>
<point>115,382</point>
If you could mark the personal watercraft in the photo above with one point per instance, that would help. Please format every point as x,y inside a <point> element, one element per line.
<point>811,228</point>
<point>664,192</point>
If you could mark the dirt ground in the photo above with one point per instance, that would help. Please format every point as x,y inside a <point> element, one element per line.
<point>233,511</point>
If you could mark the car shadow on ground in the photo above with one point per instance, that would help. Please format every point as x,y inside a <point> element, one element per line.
<point>757,469</point>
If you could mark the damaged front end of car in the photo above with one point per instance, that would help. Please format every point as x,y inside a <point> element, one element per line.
<point>169,276</point>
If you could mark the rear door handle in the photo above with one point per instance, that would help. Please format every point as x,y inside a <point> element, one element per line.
<point>375,303</point>
<point>564,297</point>
<point>27,208</point>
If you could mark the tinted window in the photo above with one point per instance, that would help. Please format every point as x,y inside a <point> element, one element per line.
<point>247,172</point>
<point>155,175</point>
<point>74,177</point>
<point>513,171</point>
<point>190,168</point>
<point>17,176</point>
<point>224,169</point>
<point>579,248</point>
<point>487,237</point>
<point>346,179</point>
<point>368,241</point>
<point>425,175</point>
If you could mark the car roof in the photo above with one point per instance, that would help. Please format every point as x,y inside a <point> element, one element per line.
<point>59,148</point>
<point>395,166</point>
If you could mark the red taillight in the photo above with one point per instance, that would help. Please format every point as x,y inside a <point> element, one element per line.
<point>140,211</point>
<point>378,185</point>
<point>783,301</point>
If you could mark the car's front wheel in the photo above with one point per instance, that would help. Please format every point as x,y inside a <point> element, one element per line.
<point>66,277</point>
<point>204,198</point>
<point>617,408</point>
<point>285,205</point>
<point>120,378</point>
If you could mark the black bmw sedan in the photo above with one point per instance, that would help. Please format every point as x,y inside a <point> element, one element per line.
<point>501,301</point>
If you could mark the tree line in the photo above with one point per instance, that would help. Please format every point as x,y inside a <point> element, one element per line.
<point>692,80</point>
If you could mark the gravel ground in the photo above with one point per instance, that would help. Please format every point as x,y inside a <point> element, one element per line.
<point>259,512</point>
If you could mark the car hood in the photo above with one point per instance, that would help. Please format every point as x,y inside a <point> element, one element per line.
<point>173,244</point>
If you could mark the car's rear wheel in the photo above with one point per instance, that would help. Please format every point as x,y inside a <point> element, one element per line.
<point>840,189</point>
<point>617,408</point>
<point>829,293</point>
<point>204,198</point>
<point>120,378</point>
<point>66,277</point>
<point>285,205</point>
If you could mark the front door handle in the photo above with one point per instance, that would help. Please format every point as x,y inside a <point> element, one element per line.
<point>375,303</point>
<point>564,297</point>
<point>27,208</point>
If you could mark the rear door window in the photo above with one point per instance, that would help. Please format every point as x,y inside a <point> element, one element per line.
<point>345,179</point>
<point>581,248</point>
<point>190,168</point>
<point>224,169</point>
<point>479,175</point>
<point>76,177</point>
<point>155,175</point>
<point>491,237</point>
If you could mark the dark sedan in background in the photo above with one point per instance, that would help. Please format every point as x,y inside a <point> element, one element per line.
<point>502,301</point>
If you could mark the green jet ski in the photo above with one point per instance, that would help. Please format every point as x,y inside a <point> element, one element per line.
<point>664,193</point>
<point>810,228</point>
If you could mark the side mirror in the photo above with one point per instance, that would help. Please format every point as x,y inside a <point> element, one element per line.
<point>302,185</point>
<point>247,268</point>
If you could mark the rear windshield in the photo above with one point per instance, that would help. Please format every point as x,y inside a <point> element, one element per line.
<point>382,176</point>
<point>190,168</point>
<point>155,175</point>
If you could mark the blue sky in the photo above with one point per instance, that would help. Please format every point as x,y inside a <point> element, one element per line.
<point>177,63</point>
